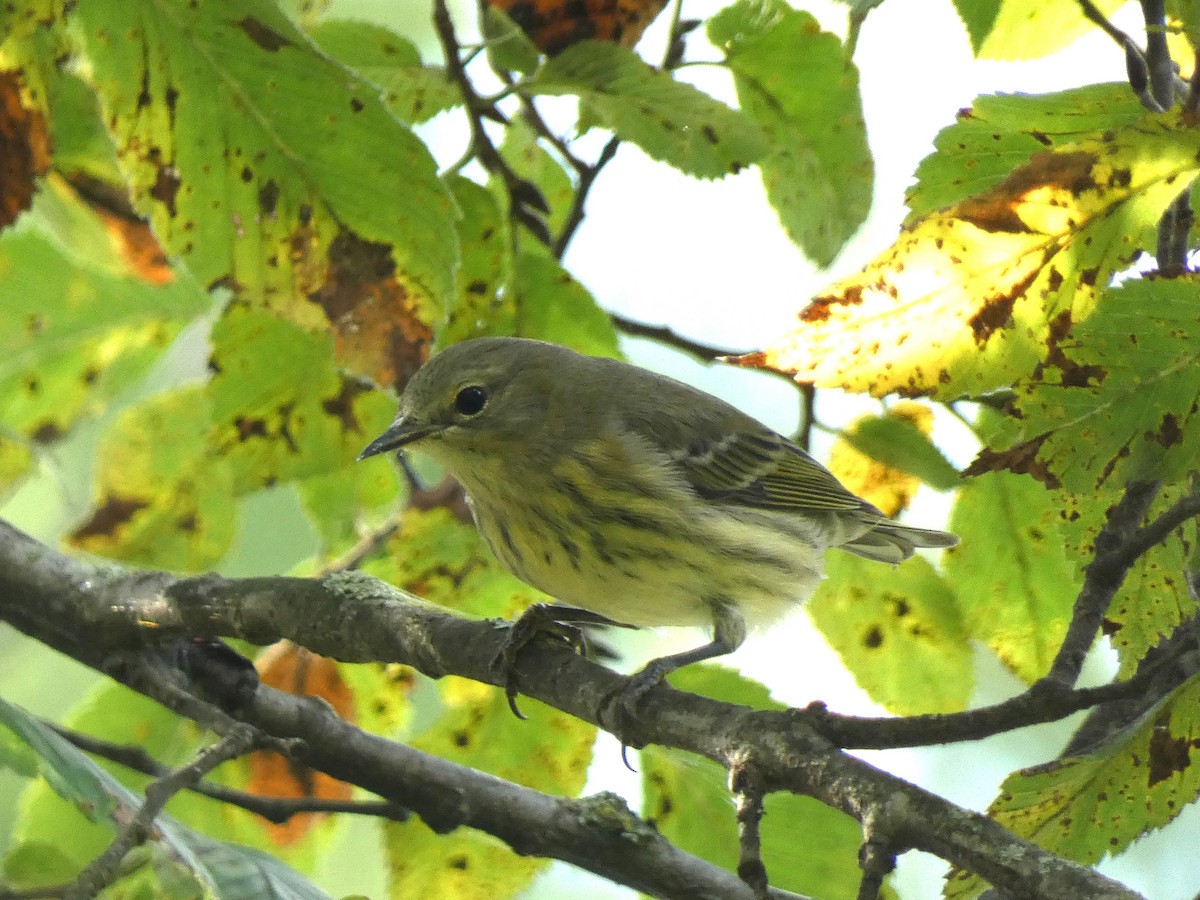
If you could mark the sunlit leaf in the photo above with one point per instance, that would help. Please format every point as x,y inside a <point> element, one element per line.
<point>1117,398</point>
<point>883,457</point>
<point>972,297</point>
<point>898,631</point>
<point>1024,29</point>
<point>1154,597</point>
<point>1000,132</point>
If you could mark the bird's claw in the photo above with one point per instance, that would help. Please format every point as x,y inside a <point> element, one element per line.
<point>556,622</point>
<point>620,706</point>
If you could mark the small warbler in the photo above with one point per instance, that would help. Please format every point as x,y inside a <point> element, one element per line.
<point>632,495</point>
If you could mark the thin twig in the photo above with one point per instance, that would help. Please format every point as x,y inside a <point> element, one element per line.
<point>368,545</point>
<point>1135,61</point>
<point>586,179</point>
<point>103,870</point>
<point>1192,102</point>
<point>1158,54</point>
<point>664,335</point>
<point>526,199</point>
<point>1102,578</point>
<point>274,809</point>
<point>877,859</point>
<point>534,117</point>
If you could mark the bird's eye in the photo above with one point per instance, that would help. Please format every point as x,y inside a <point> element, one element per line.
<point>471,400</point>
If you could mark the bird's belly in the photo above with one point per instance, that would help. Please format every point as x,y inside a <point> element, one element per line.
<point>673,575</point>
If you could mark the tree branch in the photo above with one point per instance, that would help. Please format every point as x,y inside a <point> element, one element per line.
<point>526,201</point>
<point>89,612</point>
<point>1102,578</point>
<point>276,810</point>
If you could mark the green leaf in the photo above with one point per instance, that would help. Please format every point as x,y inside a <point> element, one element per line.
<point>1096,804</point>
<point>280,408</point>
<point>673,122</point>
<point>218,869</point>
<point>251,151</point>
<point>413,91</point>
<point>897,442</point>
<point>161,500</point>
<point>306,12</point>
<point>73,336</point>
<point>485,304</point>
<point>552,306</point>
<point>16,459</point>
<point>341,502</point>
<point>1016,583</point>
<point>1118,398</point>
<point>81,142</point>
<point>899,632</point>
<point>1024,29</point>
<point>243,873</point>
<point>508,47</point>
<point>66,770</point>
<point>1000,132</point>
<point>818,172</point>
<point>687,799</point>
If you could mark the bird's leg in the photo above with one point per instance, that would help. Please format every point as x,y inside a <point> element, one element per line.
<point>559,622</point>
<point>729,631</point>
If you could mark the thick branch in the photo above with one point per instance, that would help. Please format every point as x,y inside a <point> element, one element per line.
<point>80,609</point>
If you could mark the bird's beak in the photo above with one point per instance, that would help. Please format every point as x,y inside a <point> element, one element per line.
<point>402,432</point>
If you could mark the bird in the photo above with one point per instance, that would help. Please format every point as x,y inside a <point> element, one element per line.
<point>631,498</point>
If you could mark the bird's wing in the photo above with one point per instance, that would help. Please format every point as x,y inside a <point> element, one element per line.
<point>757,467</point>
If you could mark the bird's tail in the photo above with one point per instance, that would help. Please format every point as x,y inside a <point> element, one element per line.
<point>890,542</point>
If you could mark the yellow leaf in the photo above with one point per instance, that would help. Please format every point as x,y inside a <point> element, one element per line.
<point>968,298</point>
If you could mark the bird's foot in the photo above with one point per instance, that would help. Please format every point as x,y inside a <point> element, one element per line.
<point>560,623</point>
<point>620,706</point>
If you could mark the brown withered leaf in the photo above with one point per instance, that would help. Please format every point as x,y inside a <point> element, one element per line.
<point>554,25</point>
<point>24,149</point>
<point>298,671</point>
<point>377,326</point>
<point>133,241</point>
